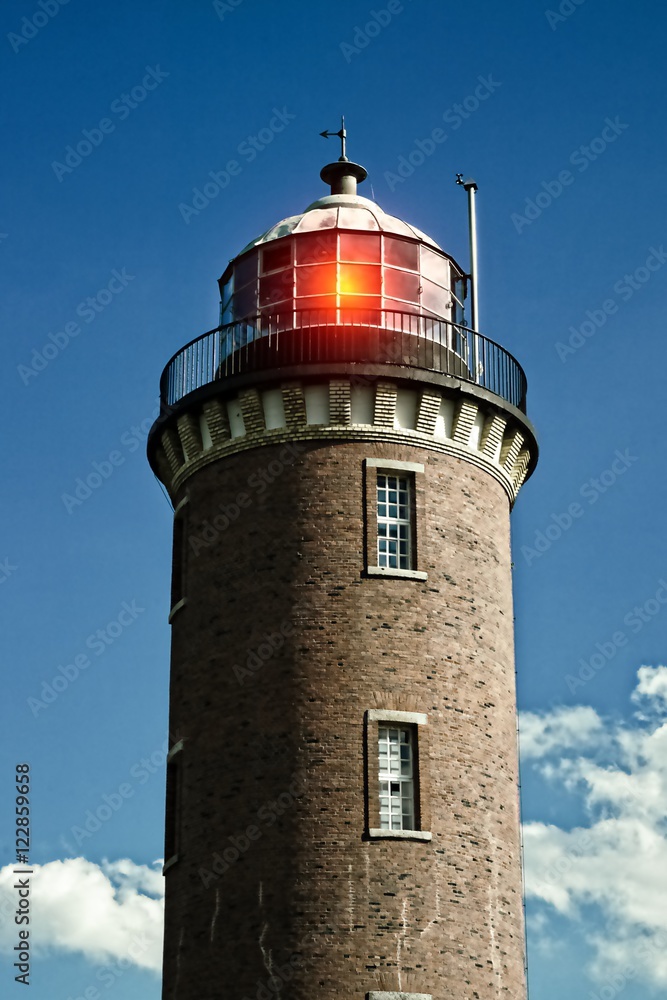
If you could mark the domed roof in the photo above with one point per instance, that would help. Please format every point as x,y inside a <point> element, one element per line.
<point>342,211</point>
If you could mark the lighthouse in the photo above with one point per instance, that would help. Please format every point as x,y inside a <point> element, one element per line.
<point>342,453</point>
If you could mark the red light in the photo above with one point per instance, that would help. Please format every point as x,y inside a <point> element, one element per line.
<point>359,279</point>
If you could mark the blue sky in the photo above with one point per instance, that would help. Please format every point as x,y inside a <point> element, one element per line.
<point>559,113</point>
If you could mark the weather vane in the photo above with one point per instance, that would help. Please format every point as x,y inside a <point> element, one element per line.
<point>342,135</point>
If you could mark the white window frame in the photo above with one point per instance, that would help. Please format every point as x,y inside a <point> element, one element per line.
<point>396,752</point>
<point>406,470</point>
<point>394,521</point>
<point>377,718</point>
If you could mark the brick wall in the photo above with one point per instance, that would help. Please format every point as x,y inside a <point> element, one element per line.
<point>281,646</point>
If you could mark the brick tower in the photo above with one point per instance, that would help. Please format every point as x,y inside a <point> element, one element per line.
<point>342,453</point>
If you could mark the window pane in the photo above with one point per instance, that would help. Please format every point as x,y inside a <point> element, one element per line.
<point>400,253</point>
<point>396,787</point>
<point>393,545</point>
<point>359,279</point>
<point>316,280</point>
<point>245,269</point>
<point>227,290</point>
<point>316,302</point>
<point>319,247</point>
<point>435,268</point>
<point>245,301</point>
<point>276,288</point>
<point>401,285</point>
<point>360,246</point>
<point>434,298</point>
<point>276,257</point>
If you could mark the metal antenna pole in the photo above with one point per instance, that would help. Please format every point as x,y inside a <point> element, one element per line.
<point>471,187</point>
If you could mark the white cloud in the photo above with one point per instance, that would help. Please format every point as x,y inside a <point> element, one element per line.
<point>566,728</point>
<point>618,863</point>
<point>652,686</point>
<point>108,911</point>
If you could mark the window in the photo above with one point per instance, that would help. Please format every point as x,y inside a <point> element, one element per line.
<point>394,508</point>
<point>396,778</point>
<point>393,522</point>
<point>278,256</point>
<point>173,806</point>
<point>179,558</point>
<point>396,786</point>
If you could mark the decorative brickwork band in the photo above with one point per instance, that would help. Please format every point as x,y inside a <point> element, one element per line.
<point>492,435</point>
<point>520,468</point>
<point>464,419</point>
<point>253,413</point>
<point>340,402</point>
<point>218,421</point>
<point>510,450</point>
<point>205,435</point>
<point>385,404</point>
<point>188,431</point>
<point>295,405</point>
<point>429,408</point>
<point>171,444</point>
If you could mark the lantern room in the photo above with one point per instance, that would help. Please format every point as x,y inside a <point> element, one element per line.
<point>342,255</point>
<point>343,282</point>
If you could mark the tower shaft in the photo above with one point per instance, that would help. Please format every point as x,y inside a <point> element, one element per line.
<point>342,808</point>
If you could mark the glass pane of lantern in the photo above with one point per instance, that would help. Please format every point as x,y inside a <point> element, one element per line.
<point>317,279</point>
<point>317,309</point>
<point>274,257</point>
<point>435,299</point>
<point>245,301</point>
<point>226,314</point>
<point>360,246</point>
<point>276,288</point>
<point>401,285</point>
<point>400,253</point>
<point>360,309</point>
<point>245,269</point>
<point>359,279</point>
<point>227,290</point>
<point>435,268</point>
<point>318,247</point>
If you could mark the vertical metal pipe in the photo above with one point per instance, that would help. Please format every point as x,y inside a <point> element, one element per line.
<point>471,188</point>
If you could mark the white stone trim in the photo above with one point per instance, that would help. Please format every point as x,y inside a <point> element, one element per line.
<point>497,453</point>
<point>400,834</point>
<point>382,995</point>
<point>177,747</point>
<point>389,715</point>
<point>386,463</point>
<point>205,431</point>
<point>407,574</point>
<point>177,607</point>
